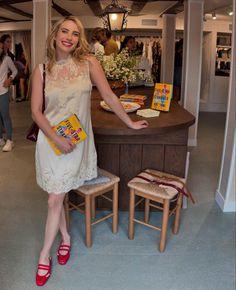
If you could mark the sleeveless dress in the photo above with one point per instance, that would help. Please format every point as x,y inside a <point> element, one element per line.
<point>67,91</point>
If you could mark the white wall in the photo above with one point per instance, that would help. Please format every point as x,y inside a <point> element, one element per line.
<point>41,27</point>
<point>15,26</point>
<point>225,194</point>
<point>192,58</point>
<point>206,67</point>
<point>231,184</point>
<point>215,98</point>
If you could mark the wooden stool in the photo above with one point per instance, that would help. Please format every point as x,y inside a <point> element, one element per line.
<point>89,193</point>
<point>152,192</point>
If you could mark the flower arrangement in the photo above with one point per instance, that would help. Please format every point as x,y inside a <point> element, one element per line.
<point>120,67</point>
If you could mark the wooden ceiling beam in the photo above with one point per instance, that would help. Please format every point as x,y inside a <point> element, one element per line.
<point>163,0</point>
<point>5,19</point>
<point>95,6</point>
<point>6,5</point>
<point>137,6</point>
<point>60,10</point>
<point>13,1</point>
<point>174,9</point>
<point>15,10</point>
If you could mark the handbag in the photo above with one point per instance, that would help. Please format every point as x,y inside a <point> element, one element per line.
<point>33,131</point>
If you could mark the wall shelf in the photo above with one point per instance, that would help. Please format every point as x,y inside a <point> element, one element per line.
<point>223,54</point>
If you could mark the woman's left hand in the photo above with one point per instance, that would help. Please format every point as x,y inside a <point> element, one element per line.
<point>7,83</point>
<point>139,124</point>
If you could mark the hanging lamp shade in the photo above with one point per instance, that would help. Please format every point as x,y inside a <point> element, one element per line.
<point>114,17</point>
<point>213,15</point>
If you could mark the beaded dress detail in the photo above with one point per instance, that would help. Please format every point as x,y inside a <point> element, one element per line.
<point>67,91</point>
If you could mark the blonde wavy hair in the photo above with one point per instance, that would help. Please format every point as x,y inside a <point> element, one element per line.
<point>81,50</point>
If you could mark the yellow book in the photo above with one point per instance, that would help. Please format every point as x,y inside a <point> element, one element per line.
<point>161,97</point>
<point>69,128</point>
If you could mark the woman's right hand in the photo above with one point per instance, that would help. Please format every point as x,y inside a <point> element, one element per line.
<point>7,83</point>
<point>64,145</point>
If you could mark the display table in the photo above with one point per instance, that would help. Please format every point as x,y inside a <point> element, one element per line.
<point>125,152</point>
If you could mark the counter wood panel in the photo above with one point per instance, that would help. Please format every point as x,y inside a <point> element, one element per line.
<point>125,152</point>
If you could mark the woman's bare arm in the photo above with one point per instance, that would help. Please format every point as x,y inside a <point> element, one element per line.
<point>99,79</point>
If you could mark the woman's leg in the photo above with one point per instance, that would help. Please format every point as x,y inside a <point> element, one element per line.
<point>22,89</point>
<point>5,114</point>
<point>1,124</point>
<point>63,229</point>
<point>55,205</point>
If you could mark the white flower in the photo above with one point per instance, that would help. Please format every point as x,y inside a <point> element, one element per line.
<point>120,67</point>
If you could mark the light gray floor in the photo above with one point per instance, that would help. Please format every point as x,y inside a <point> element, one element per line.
<point>201,257</point>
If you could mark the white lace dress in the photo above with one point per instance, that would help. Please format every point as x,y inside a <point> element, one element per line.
<point>67,91</point>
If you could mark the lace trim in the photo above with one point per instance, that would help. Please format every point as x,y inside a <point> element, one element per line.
<point>69,70</point>
<point>47,181</point>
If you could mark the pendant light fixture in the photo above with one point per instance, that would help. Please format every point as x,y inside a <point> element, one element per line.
<point>114,17</point>
<point>213,14</point>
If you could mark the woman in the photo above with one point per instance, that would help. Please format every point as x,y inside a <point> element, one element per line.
<point>178,70</point>
<point>22,76</point>
<point>6,40</point>
<point>70,71</point>
<point>6,65</point>
<point>128,43</point>
<point>110,44</point>
<point>98,40</point>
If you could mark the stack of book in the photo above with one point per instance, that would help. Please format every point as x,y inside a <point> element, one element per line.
<point>139,99</point>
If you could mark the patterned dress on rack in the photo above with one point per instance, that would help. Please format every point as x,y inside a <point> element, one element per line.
<point>67,91</point>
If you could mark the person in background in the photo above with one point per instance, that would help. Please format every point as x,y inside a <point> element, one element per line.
<point>98,40</point>
<point>129,43</point>
<point>178,70</point>
<point>6,40</point>
<point>22,76</point>
<point>70,71</point>
<point>6,65</point>
<point>110,44</point>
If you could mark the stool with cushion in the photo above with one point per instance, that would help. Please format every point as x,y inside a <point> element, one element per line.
<point>89,192</point>
<point>158,190</point>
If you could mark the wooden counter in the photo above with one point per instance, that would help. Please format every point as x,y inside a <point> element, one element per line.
<point>125,152</point>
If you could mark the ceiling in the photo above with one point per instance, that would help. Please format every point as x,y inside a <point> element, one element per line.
<point>22,10</point>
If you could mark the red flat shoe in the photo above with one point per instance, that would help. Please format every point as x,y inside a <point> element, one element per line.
<point>42,279</point>
<point>62,259</point>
